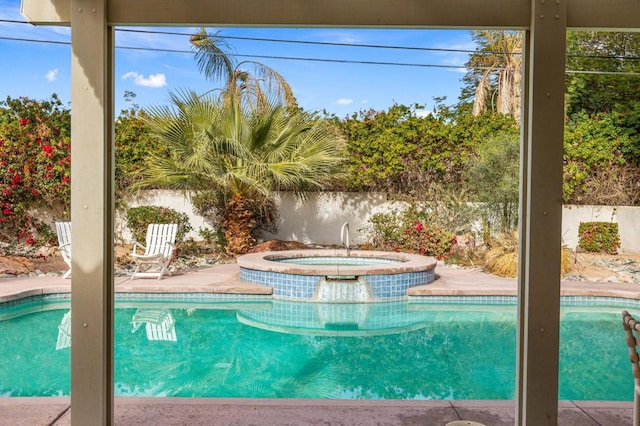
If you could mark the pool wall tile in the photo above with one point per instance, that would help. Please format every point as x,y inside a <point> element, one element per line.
<point>386,287</point>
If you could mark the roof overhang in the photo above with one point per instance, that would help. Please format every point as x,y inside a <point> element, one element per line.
<point>592,14</point>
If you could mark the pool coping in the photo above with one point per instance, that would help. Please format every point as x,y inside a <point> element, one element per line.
<point>407,262</point>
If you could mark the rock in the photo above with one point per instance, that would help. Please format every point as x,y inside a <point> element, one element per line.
<point>15,265</point>
<point>573,277</point>
<point>46,251</point>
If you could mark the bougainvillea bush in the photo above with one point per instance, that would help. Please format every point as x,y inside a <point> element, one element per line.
<point>599,237</point>
<point>35,157</point>
<point>409,231</point>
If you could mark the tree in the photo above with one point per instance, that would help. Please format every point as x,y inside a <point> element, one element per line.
<point>399,152</point>
<point>494,77</point>
<point>493,176</point>
<point>133,144</point>
<point>601,155</point>
<point>257,86</point>
<point>598,55</point>
<point>242,154</point>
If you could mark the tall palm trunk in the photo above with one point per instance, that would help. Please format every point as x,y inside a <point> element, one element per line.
<point>239,221</point>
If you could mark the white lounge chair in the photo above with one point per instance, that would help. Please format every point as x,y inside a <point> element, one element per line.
<point>159,324</point>
<point>64,332</point>
<point>63,229</point>
<point>152,259</point>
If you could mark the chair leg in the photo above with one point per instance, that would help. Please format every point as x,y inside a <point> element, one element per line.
<point>135,271</point>
<point>163,270</point>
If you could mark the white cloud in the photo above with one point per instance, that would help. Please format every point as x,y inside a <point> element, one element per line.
<point>52,75</point>
<point>344,101</point>
<point>154,80</point>
<point>422,113</point>
<point>456,58</point>
<point>364,101</point>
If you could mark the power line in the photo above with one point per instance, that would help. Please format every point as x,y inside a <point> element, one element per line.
<point>290,58</point>
<point>372,46</point>
<point>326,43</point>
<point>320,43</point>
<point>375,46</point>
<point>326,60</point>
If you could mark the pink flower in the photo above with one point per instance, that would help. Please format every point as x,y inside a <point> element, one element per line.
<point>418,226</point>
<point>66,179</point>
<point>30,240</point>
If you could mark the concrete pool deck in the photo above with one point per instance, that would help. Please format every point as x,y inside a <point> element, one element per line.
<point>223,278</point>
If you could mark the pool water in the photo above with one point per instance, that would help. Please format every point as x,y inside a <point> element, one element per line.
<point>336,260</point>
<point>274,349</point>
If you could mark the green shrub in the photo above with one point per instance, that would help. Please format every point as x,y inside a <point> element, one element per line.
<point>134,145</point>
<point>409,232</point>
<point>138,218</point>
<point>599,237</point>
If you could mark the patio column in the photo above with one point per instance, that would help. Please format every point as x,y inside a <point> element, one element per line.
<point>92,213</point>
<point>541,215</point>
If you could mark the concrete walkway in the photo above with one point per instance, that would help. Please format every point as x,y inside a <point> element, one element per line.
<point>283,412</point>
<point>298,412</point>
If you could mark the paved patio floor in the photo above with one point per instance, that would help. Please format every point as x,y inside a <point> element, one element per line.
<point>283,412</point>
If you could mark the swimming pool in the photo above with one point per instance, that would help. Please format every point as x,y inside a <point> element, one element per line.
<point>260,348</point>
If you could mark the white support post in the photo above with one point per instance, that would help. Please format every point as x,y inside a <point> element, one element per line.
<point>92,213</point>
<point>541,220</point>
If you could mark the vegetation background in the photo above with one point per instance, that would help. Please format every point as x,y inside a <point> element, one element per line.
<point>229,150</point>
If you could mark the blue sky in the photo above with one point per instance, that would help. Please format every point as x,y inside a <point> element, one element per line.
<point>37,70</point>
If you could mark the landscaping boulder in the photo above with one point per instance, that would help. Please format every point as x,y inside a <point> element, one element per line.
<point>15,265</point>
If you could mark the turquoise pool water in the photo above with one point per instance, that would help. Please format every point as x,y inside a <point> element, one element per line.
<point>280,349</point>
<point>336,260</point>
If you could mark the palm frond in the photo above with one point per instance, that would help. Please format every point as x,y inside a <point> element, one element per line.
<point>212,59</point>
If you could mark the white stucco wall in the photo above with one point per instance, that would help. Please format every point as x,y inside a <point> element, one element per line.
<point>171,199</point>
<point>627,218</point>
<point>320,217</point>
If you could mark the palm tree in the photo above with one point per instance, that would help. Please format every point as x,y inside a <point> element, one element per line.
<point>495,72</point>
<point>241,153</point>
<point>255,83</point>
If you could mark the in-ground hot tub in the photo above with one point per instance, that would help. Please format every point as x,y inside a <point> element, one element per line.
<point>336,275</point>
